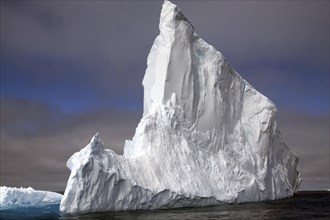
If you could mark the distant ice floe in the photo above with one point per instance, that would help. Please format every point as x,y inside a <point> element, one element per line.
<point>27,203</point>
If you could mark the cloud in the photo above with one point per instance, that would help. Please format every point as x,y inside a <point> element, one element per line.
<point>76,46</point>
<point>96,31</point>
<point>101,46</point>
<point>36,145</point>
<point>308,136</point>
<point>255,31</point>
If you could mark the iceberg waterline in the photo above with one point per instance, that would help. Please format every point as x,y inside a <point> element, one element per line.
<point>206,137</point>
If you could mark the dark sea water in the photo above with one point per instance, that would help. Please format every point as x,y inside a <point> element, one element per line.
<point>304,205</point>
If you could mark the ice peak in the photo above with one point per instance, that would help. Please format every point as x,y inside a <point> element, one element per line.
<point>170,62</point>
<point>96,138</point>
<point>170,15</point>
<point>96,143</point>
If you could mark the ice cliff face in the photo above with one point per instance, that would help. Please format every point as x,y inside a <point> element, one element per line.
<point>206,137</point>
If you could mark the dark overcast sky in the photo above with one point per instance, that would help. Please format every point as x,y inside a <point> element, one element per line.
<point>72,68</point>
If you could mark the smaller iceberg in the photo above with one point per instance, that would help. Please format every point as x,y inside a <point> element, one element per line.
<point>27,203</point>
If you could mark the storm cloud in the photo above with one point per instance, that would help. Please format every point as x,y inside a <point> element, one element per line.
<point>72,68</point>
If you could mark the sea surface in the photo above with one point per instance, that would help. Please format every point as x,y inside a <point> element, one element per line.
<point>304,205</point>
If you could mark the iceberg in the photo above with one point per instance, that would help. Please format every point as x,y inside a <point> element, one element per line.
<point>206,137</point>
<point>11,197</point>
<point>19,203</point>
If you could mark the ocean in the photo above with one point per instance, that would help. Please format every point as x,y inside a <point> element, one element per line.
<point>304,205</point>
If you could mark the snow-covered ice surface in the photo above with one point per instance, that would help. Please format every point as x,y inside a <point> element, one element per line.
<point>207,137</point>
<point>18,203</point>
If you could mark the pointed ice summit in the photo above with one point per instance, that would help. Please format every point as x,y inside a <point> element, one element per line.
<point>207,137</point>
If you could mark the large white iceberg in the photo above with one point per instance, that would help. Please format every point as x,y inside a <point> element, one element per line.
<point>207,137</point>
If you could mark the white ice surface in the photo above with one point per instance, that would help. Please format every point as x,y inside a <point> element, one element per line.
<point>11,197</point>
<point>206,137</point>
